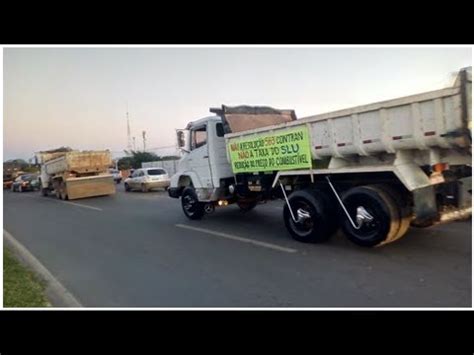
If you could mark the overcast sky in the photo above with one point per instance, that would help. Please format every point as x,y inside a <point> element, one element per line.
<point>78,96</point>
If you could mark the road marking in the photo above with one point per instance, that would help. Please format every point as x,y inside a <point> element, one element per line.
<point>81,205</point>
<point>240,239</point>
<point>54,288</point>
<point>68,202</point>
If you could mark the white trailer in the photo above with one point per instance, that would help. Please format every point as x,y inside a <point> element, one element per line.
<point>74,174</point>
<point>371,170</point>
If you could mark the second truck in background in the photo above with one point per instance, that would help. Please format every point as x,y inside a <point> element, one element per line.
<point>74,174</point>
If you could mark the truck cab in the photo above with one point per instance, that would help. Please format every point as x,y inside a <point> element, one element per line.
<point>204,167</point>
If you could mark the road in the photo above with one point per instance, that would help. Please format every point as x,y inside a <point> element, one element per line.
<point>139,250</point>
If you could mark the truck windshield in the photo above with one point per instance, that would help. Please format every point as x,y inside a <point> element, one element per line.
<point>156,172</point>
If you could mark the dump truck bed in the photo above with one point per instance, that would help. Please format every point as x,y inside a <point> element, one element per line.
<point>79,162</point>
<point>440,118</point>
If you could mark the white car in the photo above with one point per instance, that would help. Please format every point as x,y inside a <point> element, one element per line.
<point>146,179</point>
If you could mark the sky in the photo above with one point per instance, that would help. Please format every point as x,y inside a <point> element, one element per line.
<point>78,97</point>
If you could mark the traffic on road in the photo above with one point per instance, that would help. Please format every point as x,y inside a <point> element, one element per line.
<point>135,249</point>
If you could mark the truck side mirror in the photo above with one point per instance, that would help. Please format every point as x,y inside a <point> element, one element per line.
<point>181,135</point>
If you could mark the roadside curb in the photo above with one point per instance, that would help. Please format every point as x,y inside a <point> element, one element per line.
<point>55,292</point>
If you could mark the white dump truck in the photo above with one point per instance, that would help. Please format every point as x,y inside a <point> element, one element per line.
<point>370,170</point>
<point>75,174</point>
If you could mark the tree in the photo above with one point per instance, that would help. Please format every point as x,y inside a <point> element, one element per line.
<point>136,159</point>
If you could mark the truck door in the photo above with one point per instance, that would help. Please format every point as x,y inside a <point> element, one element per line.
<point>199,157</point>
<point>220,167</point>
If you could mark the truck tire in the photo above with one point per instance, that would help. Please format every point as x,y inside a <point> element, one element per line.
<point>192,208</point>
<point>381,206</point>
<point>330,206</point>
<point>62,191</point>
<point>318,226</point>
<point>405,210</point>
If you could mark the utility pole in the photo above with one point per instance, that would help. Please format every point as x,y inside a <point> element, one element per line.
<point>129,141</point>
<point>144,140</point>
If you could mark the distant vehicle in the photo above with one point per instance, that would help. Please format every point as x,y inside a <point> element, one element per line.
<point>147,179</point>
<point>7,181</point>
<point>117,176</point>
<point>75,174</point>
<point>26,182</point>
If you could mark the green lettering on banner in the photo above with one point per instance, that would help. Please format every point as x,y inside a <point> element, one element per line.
<point>282,150</point>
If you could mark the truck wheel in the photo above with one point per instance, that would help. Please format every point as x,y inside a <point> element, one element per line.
<point>63,191</point>
<point>378,204</point>
<point>404,209</point>
<point>313,225</point>
<point>127,187</point>
<point>192,208</point>
<point>330,208</point>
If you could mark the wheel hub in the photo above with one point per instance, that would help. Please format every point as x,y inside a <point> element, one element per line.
<point>363,217</point>
<point>209,208</point>
<point>188,202</point>
<point>303,215</point>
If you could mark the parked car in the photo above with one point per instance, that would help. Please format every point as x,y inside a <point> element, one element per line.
<point>117,176</point>
<point>7,181</point>
<point>146,179</point>
<point>26,182</point>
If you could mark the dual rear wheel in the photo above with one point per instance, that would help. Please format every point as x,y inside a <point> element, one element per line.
<point>61,191</point>
<point>379,215</point>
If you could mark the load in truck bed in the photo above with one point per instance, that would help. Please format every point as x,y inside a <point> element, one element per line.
<point>243,118</point>
<point>79,162</point>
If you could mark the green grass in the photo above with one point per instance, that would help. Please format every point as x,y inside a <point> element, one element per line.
<point>21,288</point>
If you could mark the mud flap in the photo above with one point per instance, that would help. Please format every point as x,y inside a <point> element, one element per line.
<point>426,209</point>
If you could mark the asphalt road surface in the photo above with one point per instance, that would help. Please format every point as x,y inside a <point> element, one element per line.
<point>139,250</point>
